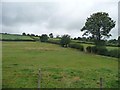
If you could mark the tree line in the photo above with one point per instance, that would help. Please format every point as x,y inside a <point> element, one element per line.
<point>97,29</point>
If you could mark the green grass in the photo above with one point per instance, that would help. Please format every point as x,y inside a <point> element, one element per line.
<point>14,37</point>
<point>61,67</point>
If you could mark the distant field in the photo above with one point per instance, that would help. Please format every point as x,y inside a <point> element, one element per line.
<point>61,67</point>
<point>108,47</point>
<point>14,37</point>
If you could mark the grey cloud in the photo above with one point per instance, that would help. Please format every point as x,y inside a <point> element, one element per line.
<point>41,17</point>
<point>65,23</point>
<point>22,13</point>
<point>10,29</point>
<point>119,18</point>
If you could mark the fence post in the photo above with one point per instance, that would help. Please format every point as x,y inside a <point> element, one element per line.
<point>39,78</point>
<point>100,83</point>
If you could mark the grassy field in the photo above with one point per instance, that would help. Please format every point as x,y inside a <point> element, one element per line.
<point>61,67</point>
<point>14,37</point>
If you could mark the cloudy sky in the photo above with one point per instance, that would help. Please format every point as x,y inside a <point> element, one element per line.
<point>53,16</point>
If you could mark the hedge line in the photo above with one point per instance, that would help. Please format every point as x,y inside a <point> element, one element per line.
<point>91,49</point>
<point>54,41</point>
<point>103,51</point>
<point>76,46</point>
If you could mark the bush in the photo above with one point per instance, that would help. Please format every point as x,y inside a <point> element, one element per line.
<point>65,40</point>
<point>99,50</point>
<point>103,51</point>
<point>43,38</point>
<point>100,43</point>
<point>114,53</point>
<point>76,46</point>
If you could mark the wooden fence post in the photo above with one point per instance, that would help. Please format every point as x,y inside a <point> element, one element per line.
<point>100,83</point>
<point>39,78</point>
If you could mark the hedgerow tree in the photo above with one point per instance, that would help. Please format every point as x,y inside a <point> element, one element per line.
<point>51,35</point>
<point>24,33</point>
<point>44,38</point>
<point>65,40</point>
<point>98,25</point>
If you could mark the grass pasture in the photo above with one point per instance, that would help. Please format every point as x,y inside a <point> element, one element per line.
<point>61,67</point>
<point>14,37</point>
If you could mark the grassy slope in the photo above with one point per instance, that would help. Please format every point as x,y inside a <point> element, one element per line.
<point>61,67</point>
<point>14,37</point>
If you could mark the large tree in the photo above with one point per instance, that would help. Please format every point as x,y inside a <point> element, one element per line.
<point>98,26</point>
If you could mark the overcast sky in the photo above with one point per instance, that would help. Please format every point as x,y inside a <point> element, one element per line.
<point>53,16</point>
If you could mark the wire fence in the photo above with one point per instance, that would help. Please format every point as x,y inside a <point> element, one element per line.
<point>39,79</point>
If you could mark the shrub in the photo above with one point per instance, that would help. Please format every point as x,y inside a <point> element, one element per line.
<point>43,38</point>
<point>103,51</point>
<point>99,50</point>
<point>114,53</point>
<point>76,46</point>
<point>100,43</point>
<point>65,40</point>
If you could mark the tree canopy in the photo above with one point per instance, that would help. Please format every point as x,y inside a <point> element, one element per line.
<point>98,25</point>
<point>51,35</point>
<point>24,33</point>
